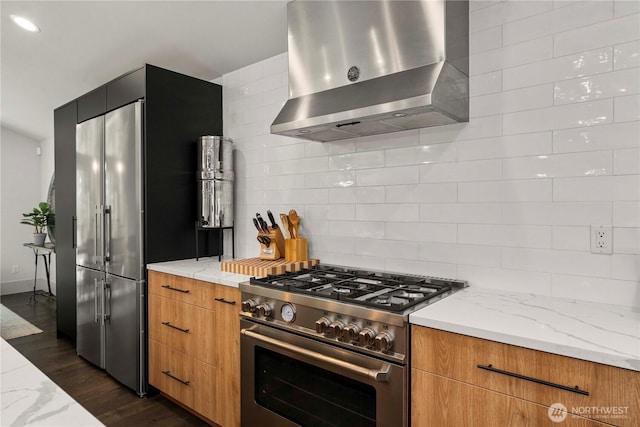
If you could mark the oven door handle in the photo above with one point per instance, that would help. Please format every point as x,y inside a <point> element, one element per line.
<point>380,375</point>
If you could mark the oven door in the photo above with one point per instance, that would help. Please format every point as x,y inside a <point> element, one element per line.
<point>290,380</point>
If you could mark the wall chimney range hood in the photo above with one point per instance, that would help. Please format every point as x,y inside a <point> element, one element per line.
<point>360,68</point>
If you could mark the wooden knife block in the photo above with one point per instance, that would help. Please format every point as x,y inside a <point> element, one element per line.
<point>276,249</point>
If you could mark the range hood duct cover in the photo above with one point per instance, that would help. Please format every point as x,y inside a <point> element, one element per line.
<point>411,59</point>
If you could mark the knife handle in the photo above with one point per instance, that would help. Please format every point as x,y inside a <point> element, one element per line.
<point>272,219</point>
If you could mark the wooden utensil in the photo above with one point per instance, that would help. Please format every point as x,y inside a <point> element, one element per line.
<point>294,219</point>
<point>285,225</point>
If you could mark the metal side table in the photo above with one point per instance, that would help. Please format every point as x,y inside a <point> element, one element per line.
<point>44,251</point>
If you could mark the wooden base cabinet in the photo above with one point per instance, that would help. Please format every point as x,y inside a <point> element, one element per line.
<point>459,380</point>
<point>194,345</point>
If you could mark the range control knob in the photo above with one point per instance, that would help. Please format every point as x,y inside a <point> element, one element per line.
<point>350,332</point>
<point>366,337</point>
<point>322,325</point>
<point>383,341</point>
<point>335,329</point>
<point>263,310</point>
<point>249,305</point>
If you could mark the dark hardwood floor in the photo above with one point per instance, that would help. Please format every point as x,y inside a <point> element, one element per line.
<point>109,401</point>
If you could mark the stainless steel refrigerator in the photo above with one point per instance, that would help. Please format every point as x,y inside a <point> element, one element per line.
<point>109,248</point>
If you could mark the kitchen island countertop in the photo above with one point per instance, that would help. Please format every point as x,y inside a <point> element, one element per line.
<point>205,269</point>
<point>602,333</point>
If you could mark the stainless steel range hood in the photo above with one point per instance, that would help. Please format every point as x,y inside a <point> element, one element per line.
<point>361,68</point>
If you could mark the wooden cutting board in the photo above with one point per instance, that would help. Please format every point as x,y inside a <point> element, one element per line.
<point>260,267</point>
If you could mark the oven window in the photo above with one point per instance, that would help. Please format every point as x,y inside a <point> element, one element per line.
<point>310,396</point>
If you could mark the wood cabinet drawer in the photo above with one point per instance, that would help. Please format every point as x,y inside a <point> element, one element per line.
<point>183,378</point>
<point>183,327</point>
<point>182,289</point>
<point>458,356</point>
<point>438,401</point>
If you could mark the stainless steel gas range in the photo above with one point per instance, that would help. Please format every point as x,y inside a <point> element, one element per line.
<point>329,346</point>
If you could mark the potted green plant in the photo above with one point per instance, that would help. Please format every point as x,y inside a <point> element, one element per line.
<point>40,218</point>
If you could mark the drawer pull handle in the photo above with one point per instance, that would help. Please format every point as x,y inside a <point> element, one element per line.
<point>168,373</point>
<point>186,331</point>
<point>176,289</point>
<point>225,301</point>
<point>575,389</point>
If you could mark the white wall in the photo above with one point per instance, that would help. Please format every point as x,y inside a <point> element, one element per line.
<point>20,191</point>
<point>505,201</point>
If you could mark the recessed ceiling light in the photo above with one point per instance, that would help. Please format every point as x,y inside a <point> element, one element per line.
<point>25,23</point>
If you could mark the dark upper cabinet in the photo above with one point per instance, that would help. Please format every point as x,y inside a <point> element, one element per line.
<point>178,110</point>
<point>65,119</point>
<point>92,104</point>
<point>126,89</point>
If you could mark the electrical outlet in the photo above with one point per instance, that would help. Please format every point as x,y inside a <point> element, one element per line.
<point>15,269</point>
<point>601,239</point>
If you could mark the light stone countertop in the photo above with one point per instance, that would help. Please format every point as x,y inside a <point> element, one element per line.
<point>607,334</point>
<point>30,398</point>
<point>205,269</point>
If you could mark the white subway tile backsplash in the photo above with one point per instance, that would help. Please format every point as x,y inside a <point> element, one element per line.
<point>524,236</point>
<point>613,136</point>
<point>443,152</point>
<point>555,261</point>
<point>626,240</point>
<point>387,248</point>
<point>557,20</point>
<point>388,212</point>
<point>528,98</point>
<point>626,7</point>
<point>421,232</point>
<point>504,12</point>
<point>505,146</point>
<point>360,229</point>
<point>506,200</point>
<point>605,33</point>
<point>626,214</point>
<point>330,179</point>
<point>572,238</point>
<point>505,191</point>
<point>361,160</point>
<point>607,85</point>
<point>422,193</point>
<point>625,267</point>
<point>387,176</point>
<point>511,56</point>
<point>566,67</point>
<point>460,254</point>
<point>478,170</point>
<point>560,117</point>
<point>626,55</point>
<point>592,163</point>
<point>599,188</point>
<point>626,162</point>
<point>485,40</point>
<point>627,108</point>
<point>557,213</point>
<point>596,289</point>
<point>506,279</point>
<point>482,84</point>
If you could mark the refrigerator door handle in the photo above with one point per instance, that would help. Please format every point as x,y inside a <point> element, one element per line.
<point>74,232</point>
<point>95,301</point>
<point>107,234</point>
<point>107,300</point>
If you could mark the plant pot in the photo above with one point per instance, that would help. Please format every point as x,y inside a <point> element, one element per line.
<point>38,238</point>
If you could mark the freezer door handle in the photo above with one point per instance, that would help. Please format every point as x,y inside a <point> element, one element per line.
<point>107,300</point>
<point>107,233</point>
<point>96,315</point>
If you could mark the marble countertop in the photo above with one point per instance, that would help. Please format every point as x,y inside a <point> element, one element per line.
<point>205,269</point>
<point>30,398</point>
<point>602,333</point>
